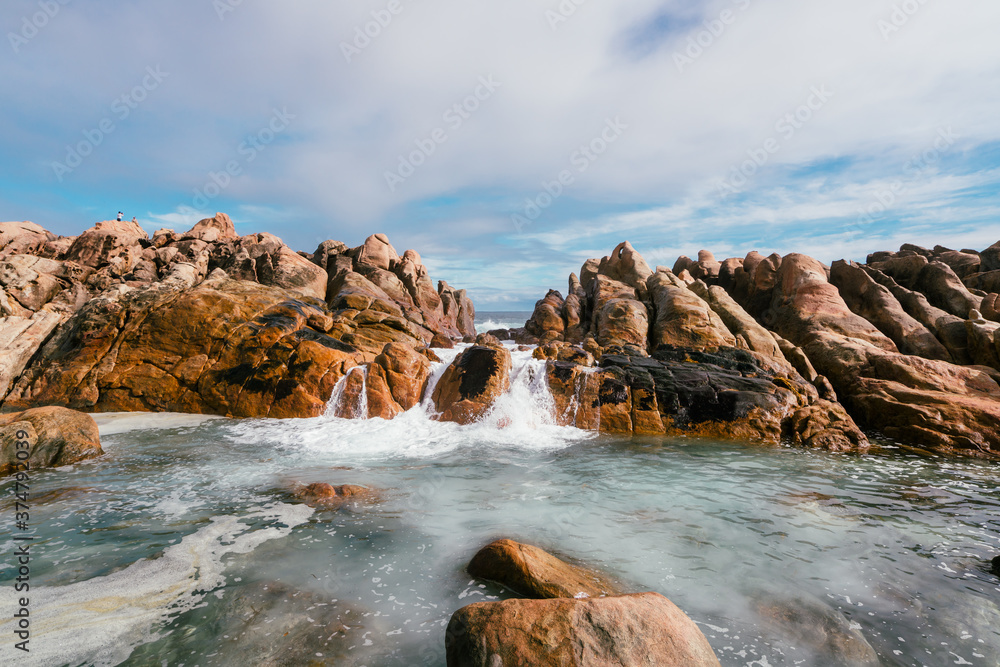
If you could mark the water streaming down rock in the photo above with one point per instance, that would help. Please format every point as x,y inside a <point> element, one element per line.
<point>528,403</point>
<point>349,399</point>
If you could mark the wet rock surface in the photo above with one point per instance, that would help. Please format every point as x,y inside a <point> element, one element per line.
<point>534,573</point>
<point>640,629</point>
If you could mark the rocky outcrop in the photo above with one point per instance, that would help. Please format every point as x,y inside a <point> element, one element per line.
<point>728,393</point>
<point>209,321</point>
<point>901,345</point>
<point>926,402</point>
<point>534,573</point>
<point>49,437</point>
<point>641,629</point>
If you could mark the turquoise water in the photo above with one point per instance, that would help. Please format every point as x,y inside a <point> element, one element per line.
<point>182,546</point>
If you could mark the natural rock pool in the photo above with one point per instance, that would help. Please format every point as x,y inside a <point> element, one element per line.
<point>184,546</point>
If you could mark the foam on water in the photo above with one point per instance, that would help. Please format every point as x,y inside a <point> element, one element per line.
<point>520,419</point>
<point>111,423</point>
<point>101,620</point>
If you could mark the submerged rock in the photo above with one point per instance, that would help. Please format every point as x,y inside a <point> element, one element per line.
<point>274,625</point>
<point>54,437</point>
<point>534,573</point>
<point>809,623</point>
<point>323,495</point>
<point>640,629</point>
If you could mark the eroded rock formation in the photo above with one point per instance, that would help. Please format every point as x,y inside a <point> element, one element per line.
<point>785,347</point>
<point>209,321</point>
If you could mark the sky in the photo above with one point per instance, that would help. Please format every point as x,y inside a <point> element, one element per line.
<point>508,141</point>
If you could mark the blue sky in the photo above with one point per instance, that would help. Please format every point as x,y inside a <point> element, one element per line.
<point>834,129</point>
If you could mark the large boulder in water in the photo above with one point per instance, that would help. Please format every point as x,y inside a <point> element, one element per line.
<point>51,436</point>
<point>535,573</point>
<point>641,629</point>
<point>472,383</point>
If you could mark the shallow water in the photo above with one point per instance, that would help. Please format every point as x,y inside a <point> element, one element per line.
<point>182,546</point>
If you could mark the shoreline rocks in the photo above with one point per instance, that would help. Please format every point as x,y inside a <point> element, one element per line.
<point>212,322</point>
<point>906,345</point>
<point>55,436</point>
<point>638,629</point>
<point>576,617</point>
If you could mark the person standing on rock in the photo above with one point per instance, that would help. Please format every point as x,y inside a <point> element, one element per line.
<point>120,214</point>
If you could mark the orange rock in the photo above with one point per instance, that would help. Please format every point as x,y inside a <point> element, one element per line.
<point>54,436</point>
<point>641,629</point>
<point>471,384</point>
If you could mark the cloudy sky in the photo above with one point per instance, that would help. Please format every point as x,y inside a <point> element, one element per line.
<point>509,140</point>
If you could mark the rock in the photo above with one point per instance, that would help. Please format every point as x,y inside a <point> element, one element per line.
<point>623,322</point>
<point>323,495</point>
<point>472,383</point>
<point>727,394</point>
<point>627,266</point>
<point>110,244</point>
<point>991,307</point>
<point>618,317</point>
<point>574,314</point>
<point>948,329</point>
<point>442,342</point>
<point>809,623</point>
<point>54,436</point>
<point>961,262</point>
<point>22,238</point>
<point>24,336</point>
<point>211,230</point>
<point>33,281</point>
<point>876,304</point>
<point>263,258</point>
<point>805,305</point>
<point>682,318</point>
<point>903,269</point>
<point>396,380</point>
<point>990,258</point>
<point>995,565</point>
<point>982,336</point>
<point>547,316</point>
<point>378,252</point>
<point>233,348</point>
<point>534,573</point>
<point>945,290</point>
<point>987,282</point>
<point>641,629</point>
<point>738,321</point>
